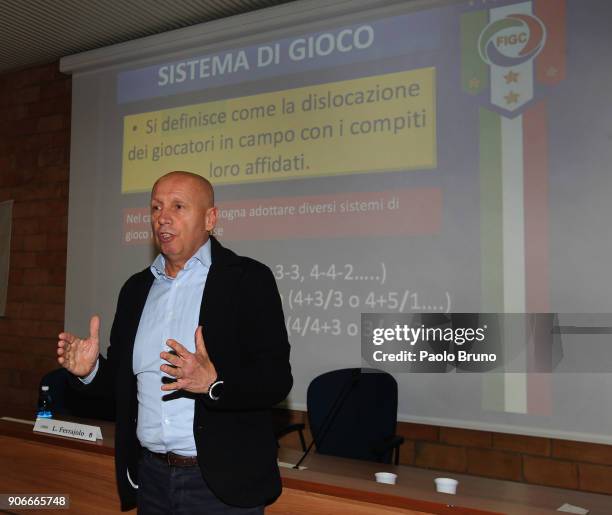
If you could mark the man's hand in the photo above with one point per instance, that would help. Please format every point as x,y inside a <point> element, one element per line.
<point>79,355</point>
<point>193,372</point>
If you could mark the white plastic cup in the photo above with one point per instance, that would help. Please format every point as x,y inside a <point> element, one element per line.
<point>388,478</point>
<point>446,485</point>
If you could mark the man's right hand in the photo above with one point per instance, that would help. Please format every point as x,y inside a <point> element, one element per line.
<point>79,355</point>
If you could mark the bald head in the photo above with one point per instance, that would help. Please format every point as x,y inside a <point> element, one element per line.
<point>200,182</point>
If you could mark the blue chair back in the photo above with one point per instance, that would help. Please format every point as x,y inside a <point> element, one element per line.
<point>352,411</point>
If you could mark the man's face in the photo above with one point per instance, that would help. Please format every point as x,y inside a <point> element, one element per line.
<point>181,216</point>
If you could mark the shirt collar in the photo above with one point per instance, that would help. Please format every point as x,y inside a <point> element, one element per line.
<point>202,255</point>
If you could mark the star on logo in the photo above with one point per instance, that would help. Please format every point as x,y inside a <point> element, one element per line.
<point>511,98</point>
<point>511,77</point>
<point>474,83</point>
<point>552,71</point>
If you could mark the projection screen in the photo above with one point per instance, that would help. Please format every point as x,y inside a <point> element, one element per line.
<point>380,157</point>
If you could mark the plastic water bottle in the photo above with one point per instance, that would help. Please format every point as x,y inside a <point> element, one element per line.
<point>44,403</point>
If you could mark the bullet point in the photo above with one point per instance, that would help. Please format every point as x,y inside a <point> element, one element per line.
<point>134,128</point>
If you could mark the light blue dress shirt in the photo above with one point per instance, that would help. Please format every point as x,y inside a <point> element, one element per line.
<point>172,311</point>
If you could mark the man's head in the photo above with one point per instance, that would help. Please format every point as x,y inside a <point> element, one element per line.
<point>182,215</point>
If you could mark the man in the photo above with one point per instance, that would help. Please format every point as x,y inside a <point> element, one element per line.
<point>198,354</point>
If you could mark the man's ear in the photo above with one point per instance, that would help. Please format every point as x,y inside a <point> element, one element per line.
<point>210,218</point>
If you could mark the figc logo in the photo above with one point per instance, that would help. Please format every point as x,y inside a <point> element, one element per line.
<point>512,40</point>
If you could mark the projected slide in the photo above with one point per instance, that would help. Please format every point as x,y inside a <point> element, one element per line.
<point>335,128</point>
<point>399,160</point>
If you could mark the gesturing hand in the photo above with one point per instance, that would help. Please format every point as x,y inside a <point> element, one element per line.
<point>194,372</point>
<point>79,355</point>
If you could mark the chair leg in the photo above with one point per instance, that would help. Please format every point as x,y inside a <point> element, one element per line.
<point>302,441</point>
<point>397,455</point>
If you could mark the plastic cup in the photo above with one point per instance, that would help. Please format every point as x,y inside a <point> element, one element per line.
<point>388,478</point>
<point>446,485</point>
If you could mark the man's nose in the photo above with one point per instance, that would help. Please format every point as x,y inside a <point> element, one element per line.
<point>164,217</point>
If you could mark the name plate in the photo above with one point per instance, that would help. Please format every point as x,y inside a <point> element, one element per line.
<point>68,429</point>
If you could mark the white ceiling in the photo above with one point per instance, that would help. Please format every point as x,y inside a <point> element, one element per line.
<point>41,31</point>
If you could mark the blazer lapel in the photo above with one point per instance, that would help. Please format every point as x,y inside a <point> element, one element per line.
<point>218,286</point>
<point>216,306</point>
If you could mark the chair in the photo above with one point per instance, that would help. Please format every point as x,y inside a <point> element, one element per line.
<point>66,401</point>
<point>353,414</point>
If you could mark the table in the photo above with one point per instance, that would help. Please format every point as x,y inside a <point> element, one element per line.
<point>38,463</point>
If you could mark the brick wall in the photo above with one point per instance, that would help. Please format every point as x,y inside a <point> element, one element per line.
<point>34,147</point>
<point>528,459</point>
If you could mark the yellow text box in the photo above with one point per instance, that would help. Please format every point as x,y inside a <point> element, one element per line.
<point>380,123</point>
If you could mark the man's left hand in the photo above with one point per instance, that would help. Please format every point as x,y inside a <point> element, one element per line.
<point>194,372</point>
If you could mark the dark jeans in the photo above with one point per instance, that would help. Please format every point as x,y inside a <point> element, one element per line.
<point>167,490</point>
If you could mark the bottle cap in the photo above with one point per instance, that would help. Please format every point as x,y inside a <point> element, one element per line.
<point>44,388</point>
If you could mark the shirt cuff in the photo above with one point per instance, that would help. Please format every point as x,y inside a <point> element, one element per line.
<point>89,378</point>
